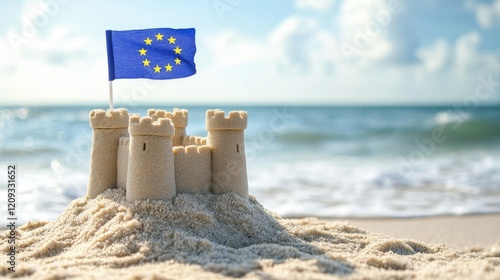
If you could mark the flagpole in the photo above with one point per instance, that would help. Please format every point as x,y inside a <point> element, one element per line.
<point>110,95</point>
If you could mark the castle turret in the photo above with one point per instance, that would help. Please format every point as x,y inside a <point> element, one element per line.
<point>151,161</point>
<point>179,118</point>
<point>226,137</point>
<point>108,126</point>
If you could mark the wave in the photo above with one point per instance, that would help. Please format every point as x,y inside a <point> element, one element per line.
<point>469,130</point>
<point>350,186</point>
<point>309,137</point>
<point>38,151</point>
<point>447,117</point>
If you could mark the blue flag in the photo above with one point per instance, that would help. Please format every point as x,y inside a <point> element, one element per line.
<point>158,53</point>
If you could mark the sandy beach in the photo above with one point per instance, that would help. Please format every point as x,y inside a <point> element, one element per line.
<point>459,232</point>
<point>224,236</point>
<point>471,232</point>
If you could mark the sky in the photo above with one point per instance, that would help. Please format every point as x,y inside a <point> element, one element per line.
<point>300,52</point>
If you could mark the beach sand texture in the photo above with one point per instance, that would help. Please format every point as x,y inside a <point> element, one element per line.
<point>208,236</point>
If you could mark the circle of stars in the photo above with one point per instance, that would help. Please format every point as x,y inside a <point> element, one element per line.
<point>158,68</point>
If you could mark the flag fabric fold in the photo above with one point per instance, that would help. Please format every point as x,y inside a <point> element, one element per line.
<point>157,53</point>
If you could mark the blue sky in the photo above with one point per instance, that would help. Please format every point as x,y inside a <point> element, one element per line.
<point>260,52</point>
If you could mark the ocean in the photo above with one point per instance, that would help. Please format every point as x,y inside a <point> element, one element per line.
<point>302,161</point>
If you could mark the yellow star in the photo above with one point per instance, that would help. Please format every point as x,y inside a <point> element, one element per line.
<point>157,68</point>
<point>177,61</point>
<point>159,37</point>
<point>177,50</point>
<point>143,51</point>
<point>171,40</point>
<point>146,62</point>
<point>148,41</point>
<point>168,68</point>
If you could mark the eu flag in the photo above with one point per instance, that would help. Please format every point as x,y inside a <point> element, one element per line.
<point>157,53</point>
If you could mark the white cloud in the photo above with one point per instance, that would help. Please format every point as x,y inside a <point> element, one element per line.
<point>297,46</point>
<point>466,57</point>
<point>358,12</point>
<point>487,15</point>
<point>314,69</point>
<point>436,57</point>
<point>461,57</point>
<point>375,32</point>
<point>234,67</point>
<point>53,67</point>
<point>316,5</point>
<point>61,45</point>
<point>365,34</point>
<point>229,49</point>
<point>292,45</point>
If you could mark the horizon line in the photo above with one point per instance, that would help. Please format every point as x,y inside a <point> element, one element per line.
<point>270,104</point>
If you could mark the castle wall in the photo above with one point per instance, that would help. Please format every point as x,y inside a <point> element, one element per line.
<point>122,162</point>
<point>150,172</point>
<point>108,126</point>
<point>226,137</point>
<point>194,140</point>
<point>193,173</point>
<point>178,117</point>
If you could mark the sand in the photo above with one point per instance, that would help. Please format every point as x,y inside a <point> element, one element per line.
<point>107,126</point>
<point>471,232</point>
<point>150,171</point>
<point>208,236</point>
<point>227,139</point>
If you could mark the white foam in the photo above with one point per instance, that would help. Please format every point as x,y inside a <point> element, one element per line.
<point>44,194</point>
<point>447,117</point>
<point>348,188</point>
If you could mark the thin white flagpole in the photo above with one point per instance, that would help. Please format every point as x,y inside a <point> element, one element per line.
<point>110,95</point>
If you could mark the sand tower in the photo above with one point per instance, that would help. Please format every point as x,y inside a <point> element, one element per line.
<point>226,137</point>
<point>122,162</point>
<point>150,172</point>
<point>179,119</point>
<point>108,126</point>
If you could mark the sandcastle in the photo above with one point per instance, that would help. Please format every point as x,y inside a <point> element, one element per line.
<point>153,158</point>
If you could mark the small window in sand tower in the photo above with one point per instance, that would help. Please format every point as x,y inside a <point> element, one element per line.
<point>237,148</point>
<point>144,147</point>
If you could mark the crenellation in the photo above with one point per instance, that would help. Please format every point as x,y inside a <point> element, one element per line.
<point>146,126</point>
<point>179,117</point>
<point>194,140</point>
<point>156,114</point>
<point>235,120</point>
<point>152,158</point>
<point>192,149</point>
<point>117,118</point>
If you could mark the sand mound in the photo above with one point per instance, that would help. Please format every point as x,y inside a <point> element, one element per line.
<point>217,236</point>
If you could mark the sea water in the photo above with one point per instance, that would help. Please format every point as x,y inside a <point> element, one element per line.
<point>302,161</point>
